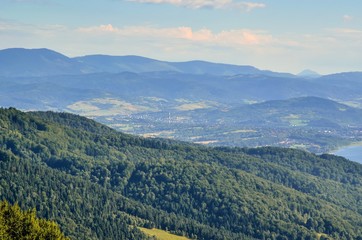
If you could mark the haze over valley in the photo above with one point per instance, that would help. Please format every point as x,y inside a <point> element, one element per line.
<point>196,101</point>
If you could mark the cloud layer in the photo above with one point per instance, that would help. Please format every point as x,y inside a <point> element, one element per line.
<point>215,4</point>
<point>347,18</point>
<point>231,38</point>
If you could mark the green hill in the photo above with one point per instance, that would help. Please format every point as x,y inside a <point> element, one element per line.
<point>101,184</point>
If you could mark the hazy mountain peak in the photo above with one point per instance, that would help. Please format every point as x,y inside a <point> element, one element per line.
<point>35,62</point>
<point>309,74</point>
<point>25,54</point>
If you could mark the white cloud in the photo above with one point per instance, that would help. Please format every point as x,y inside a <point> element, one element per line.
<point>344,31</point>
<point>250,5</point>
<point>99,29</point>
<point>237,37</point>
<point>216,4</point>
<point>347,18</point>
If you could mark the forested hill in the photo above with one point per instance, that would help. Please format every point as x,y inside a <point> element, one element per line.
<point>101,184</point>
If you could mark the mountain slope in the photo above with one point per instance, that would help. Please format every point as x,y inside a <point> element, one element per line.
<point>137,64</point>
<point>118,64</point>
<point>305,110</point>
<point>208,193</point>
<point>15,62</point>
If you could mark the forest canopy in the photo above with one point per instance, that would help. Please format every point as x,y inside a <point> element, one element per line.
<point>98,183</point>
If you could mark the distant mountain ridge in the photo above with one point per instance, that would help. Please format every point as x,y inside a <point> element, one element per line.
<point>44,62</point>
<point>17,62</point>
<point>137,64</point>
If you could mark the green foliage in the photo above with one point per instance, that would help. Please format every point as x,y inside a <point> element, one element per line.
<point>18,224</point>
<point>101,184</point>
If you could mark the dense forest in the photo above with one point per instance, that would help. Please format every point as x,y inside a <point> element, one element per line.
<point>98,183</point>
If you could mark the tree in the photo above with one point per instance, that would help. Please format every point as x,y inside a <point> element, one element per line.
<point>18,224</point>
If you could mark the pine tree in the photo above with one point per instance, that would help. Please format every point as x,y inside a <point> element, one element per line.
<point>18,224</point>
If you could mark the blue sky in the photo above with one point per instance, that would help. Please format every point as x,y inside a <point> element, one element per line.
<point>279,35</point>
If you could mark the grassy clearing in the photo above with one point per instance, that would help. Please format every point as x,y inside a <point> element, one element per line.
<point>207,142</point>
<point>83,106</point>
<point>98,107</point>
<point>161,235</point>
<point>192,106</point>
<point>319,235</point>
<point>297,123</point>
<point>295,120</point>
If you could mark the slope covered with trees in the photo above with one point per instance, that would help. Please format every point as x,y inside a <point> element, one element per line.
<point>101,184</point>
<point>18,224</point>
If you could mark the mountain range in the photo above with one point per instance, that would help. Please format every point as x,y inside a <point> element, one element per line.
<point>44,62</point>
<point>147,77</point>
<point>196,101</point>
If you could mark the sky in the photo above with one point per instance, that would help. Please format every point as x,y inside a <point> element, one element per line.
<point>278,35</point>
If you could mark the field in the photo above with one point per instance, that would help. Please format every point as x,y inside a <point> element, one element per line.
<point>161,235</point>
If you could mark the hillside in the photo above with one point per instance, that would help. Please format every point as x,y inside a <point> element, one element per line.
<point>306,111</point>
<point>312,123</point>
<point>98,183</point>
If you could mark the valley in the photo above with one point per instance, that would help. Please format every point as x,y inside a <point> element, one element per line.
<point>196,101</point>
<point>287,127</point>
